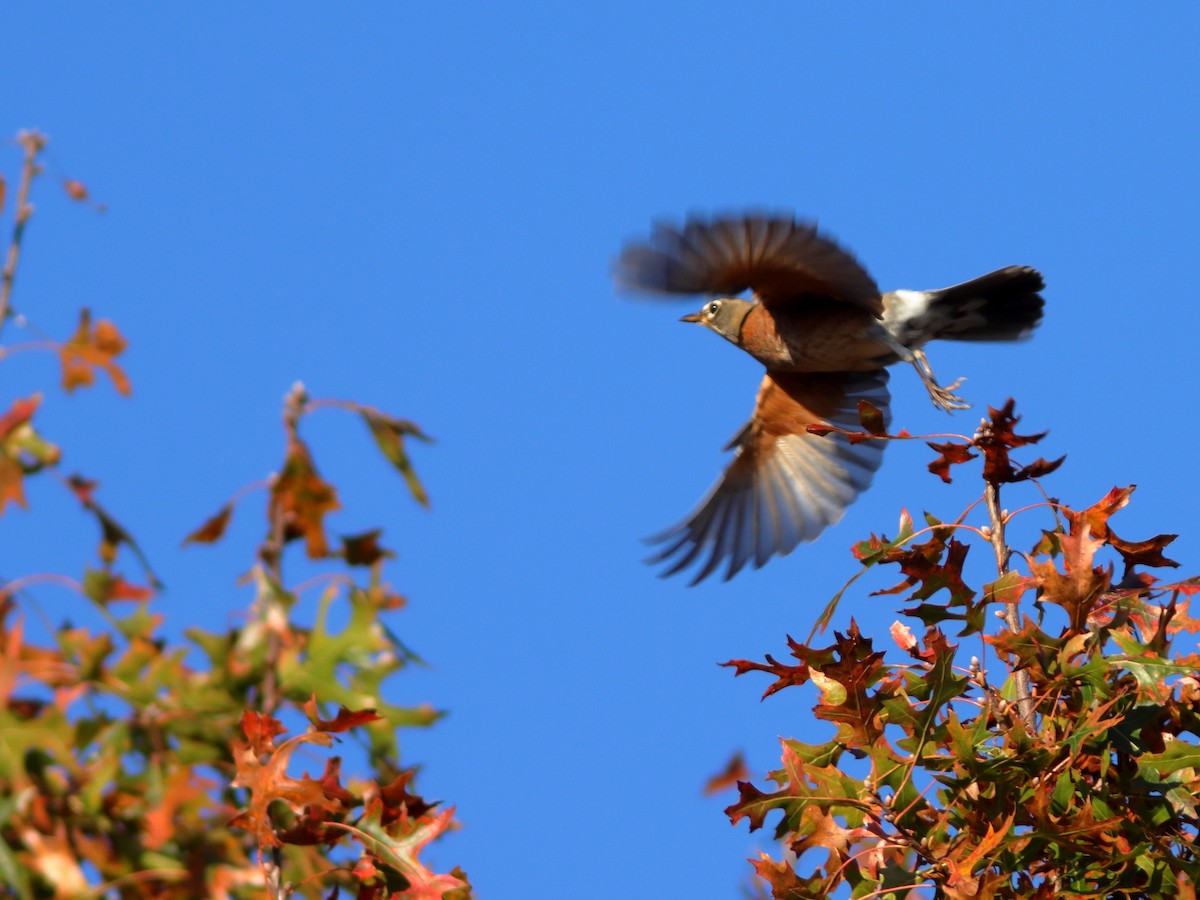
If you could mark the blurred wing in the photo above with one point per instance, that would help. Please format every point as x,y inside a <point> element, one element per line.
<point>785,485</point>
<point>779,259</point>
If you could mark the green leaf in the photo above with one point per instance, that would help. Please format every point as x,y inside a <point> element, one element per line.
<point>389,434</point>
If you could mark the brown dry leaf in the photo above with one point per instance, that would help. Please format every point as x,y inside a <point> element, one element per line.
<point>734,771</point>
<point>301,499</point>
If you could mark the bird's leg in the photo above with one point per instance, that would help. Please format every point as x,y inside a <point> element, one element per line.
<point>942,397</point>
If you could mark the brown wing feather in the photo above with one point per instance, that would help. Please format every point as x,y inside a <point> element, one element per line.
<point>785,485</point>
<point>780,259</point>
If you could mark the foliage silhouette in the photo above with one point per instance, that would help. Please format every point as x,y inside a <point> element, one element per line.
<point>1068,772</point>
<point>133,767</point>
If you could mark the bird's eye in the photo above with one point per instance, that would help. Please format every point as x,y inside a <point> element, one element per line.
<point>713,308</point>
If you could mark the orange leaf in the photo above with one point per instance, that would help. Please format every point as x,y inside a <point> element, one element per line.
<point>12,483</point>
<point>268,781</point>
<point>93,348</point>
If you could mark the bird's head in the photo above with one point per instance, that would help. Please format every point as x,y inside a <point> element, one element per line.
<point>723,315</point>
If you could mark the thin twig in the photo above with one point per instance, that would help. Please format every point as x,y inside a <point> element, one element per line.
<point>33,142</point>
<point>270,554</point>
<point>1012,615</point>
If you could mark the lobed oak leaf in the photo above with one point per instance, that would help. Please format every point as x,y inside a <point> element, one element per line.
<point>932,566</point>
<point>268,781</point>
<point>950,453</point>
<point>876,547</point>
<point>996,437</point>
<point>820,829</point>
<point>398,803</point>
<point>753,805</point>
<point>781,877</point>
<point>313,827</point>
<point>343,721</point>
<point>991,840</point>
<point>90,348</point>
<point>300,500</point>
<point>1039,468</point>
<point>1008,588</point>
<point>1098,514</point>
<point>1144,553</point>
<point>785,675</point>
<point>401,851</point>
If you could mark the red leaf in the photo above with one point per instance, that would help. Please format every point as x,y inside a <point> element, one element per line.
<point>343,721</point>
<point>1144,553</point>
<point>261,730</point>
<point>952,454</point>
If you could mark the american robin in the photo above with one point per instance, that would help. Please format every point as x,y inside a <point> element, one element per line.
<point>819,324</point>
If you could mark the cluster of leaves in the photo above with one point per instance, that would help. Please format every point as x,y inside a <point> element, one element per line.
<point>132,766</point>
<point>1075,776</point>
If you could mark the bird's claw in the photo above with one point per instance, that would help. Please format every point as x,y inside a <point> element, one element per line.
<point>942,397</point>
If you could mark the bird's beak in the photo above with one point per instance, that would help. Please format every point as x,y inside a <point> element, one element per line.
<point>691,317</point>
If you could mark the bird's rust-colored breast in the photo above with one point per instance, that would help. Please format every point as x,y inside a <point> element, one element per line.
<point>813,337</point>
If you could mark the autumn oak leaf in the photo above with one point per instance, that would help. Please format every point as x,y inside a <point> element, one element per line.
<point>213,528</point>
<point>91,348</point>
<point>1144,553</point>
<point>364,549</point>
<point>300,500</point>
<point>343,721</point>
<point>951,454</point>
<point>267,779</point>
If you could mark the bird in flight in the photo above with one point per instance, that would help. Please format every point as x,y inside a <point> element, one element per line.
<point>819,324</point>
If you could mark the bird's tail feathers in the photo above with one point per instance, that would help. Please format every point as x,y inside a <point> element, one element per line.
<point>1001,306</point>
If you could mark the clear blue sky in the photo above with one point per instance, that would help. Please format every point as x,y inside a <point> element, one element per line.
<point>417,205</point>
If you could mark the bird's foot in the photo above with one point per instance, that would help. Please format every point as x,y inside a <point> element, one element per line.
<point>942,397</point>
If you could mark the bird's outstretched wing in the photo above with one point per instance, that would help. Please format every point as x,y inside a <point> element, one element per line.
<point>780,259</point>
<point>785,485</point>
